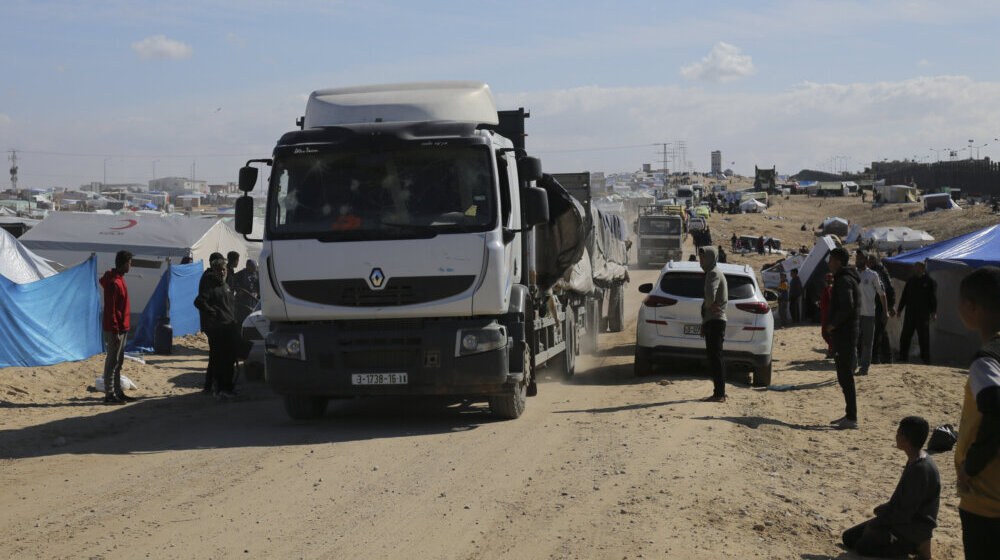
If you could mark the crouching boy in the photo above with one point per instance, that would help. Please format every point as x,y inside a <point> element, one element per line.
<point>976,459</point>
<point>904,524</point>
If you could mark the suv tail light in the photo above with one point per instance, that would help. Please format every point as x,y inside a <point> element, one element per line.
<point>757,307</point>
<point>658,301</point>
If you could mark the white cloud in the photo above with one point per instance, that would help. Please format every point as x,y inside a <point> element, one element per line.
<point>923,63</point>
<point>797,128</point>
<point>724,63</point>
<point>235,40</point>
<point>158,46</point>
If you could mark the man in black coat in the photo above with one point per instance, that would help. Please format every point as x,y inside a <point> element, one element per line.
<point>842,326</point>
<point>881,350</point>
<point>217,308</point>
<point>209,381</point>
<point>919,299</point>
<point>795,296</point>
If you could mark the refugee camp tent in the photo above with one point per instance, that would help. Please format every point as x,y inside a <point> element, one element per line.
<point>173,298</point>
<point>948,262</point>
<point>70,238</point>
<point>835,226</point>
<point>888,238</point>
<point>854,235</point>
<point>808,187</point>
<point>20,265</point>
<point>939,201</point>
<point>752,206</point>
<point>896,193</point>
<point>55,319</point>
<point>850,187</point>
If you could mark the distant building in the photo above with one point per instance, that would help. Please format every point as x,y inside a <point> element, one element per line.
<point>178,184</point>
<point>716,162</point>
<point>647,167</point>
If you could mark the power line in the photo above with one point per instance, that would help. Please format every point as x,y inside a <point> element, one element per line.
<point>598,149</point>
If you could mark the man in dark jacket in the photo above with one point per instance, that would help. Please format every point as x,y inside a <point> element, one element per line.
<point>881,351</point>
<point>842,326</point>
<point>919,299</point>
<point>795,296</point>
<point>904,525</point>
<point>202,285</point>
<point>115,324</point>
<point>215,302</point>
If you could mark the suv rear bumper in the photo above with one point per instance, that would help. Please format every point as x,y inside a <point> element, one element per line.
<point>665,354</point>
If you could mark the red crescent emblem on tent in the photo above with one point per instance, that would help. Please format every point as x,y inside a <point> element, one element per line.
<point>130,224</point>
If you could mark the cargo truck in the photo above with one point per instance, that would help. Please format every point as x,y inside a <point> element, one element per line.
<point>412,247</point>
<point>659,234</point>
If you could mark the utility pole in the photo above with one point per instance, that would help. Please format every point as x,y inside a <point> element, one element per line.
<point>13,170</point>
<point>663,153</point>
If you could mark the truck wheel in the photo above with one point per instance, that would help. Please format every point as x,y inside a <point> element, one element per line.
<point>762,376</point>
<point>510,405</point>
<point>565,364</point>
<point>643,363</point>
<point>616,309</point>
<point>305,408</point>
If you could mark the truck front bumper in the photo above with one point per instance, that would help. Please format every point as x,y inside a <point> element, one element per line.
<point>428,351</point>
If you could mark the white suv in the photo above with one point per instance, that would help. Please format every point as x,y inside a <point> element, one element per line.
<point>669,325</point>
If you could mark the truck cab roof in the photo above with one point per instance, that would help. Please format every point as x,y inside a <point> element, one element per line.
<point>464,102</point>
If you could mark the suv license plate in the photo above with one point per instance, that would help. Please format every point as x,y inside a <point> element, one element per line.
<point>379,379</point>
<point>692,329</point>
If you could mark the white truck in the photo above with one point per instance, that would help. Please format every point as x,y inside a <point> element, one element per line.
<point>408,250</point>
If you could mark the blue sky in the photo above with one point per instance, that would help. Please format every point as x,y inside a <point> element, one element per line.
<point>126,85</point>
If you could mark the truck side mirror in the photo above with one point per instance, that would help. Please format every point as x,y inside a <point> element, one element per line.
<point>535,205</point>
<point>529,169</point>
<point>248,178</point>
<point>244,211</point>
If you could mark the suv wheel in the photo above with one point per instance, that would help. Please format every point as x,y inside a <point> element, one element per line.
<point>643,362</point>
<point>762,376</point>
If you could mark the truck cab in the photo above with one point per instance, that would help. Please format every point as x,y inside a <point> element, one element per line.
<point>397,250</point>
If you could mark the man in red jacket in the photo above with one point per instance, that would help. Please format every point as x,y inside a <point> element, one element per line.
<point>115,325</point>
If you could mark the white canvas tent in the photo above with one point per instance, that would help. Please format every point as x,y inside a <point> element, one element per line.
<point>835,226</point>
<point>855,234</point>
<point>752,206</point>
<point>886,238</point>
<point>896,193</point>
<point>20,265</point>
<point>69,238</point>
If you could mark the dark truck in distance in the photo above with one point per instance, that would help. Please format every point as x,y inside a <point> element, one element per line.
<point>660,235</point>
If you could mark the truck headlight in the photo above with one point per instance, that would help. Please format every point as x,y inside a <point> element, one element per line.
<point>475,341</point>
<point>285,345</point>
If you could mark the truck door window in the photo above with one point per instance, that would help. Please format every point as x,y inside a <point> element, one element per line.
<point>504,189</point>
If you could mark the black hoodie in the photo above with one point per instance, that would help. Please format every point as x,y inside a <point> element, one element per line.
<point>845,301</point>
<point>215,302</point>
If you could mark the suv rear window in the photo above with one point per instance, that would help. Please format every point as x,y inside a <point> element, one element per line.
<point>692,285</point>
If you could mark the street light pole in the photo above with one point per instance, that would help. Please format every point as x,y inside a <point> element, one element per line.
<point>104,184</point>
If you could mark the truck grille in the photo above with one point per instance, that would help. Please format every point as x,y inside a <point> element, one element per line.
<point>401,290</point>
<point>381,359</point>
<point>659,243</point>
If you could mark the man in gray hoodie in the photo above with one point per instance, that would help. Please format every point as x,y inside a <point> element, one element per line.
<point>713,320</point>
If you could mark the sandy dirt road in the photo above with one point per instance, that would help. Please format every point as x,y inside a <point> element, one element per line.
<point>604,465</point>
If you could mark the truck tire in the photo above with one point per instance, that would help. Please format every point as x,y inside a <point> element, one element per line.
<point>511,405</point>
<point>643,362</point>
<point>301,407</point>
<point>616,309</point>
<point>565,364</point>
<point>762,376</point>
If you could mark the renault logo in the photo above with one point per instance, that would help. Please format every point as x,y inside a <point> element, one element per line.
<point>377,278</point>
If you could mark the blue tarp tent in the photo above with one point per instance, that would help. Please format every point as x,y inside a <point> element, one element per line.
<point>52,320</point>
<point>948,262</point>
<point>979,248</point>
<point>174,295</point>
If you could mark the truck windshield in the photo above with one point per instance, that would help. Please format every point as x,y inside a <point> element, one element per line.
<point>407,192</point>
<point>661,226</point>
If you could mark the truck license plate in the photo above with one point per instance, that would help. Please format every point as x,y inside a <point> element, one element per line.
<point>692,329</point>
<point>379,379</point>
